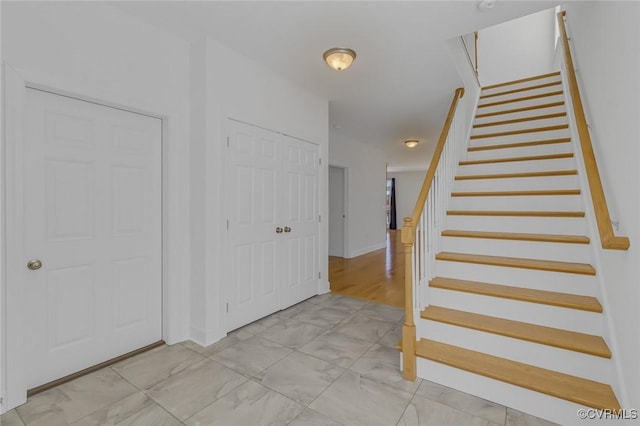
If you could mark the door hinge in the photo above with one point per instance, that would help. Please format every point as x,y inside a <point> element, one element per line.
<point>227,224</point>
<point>320,161</point>
<point>319,218</point>
<point>227,141</point>
<point>319,275</point>
<point>227,307</point>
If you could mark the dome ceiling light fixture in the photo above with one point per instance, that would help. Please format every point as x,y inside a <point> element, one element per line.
<point>411,143</point>
<point>339,58</point>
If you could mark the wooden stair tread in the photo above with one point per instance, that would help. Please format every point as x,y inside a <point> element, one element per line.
<point>514,213</point>
<point>521,99</point>
<point>517,144</point>
<point>558,338</point>
<point>516,193</point>
<point>522,80</point>
<point>523,109</point>
<point>512,159</point>
<point>520,120</point>
<point>516,262</point>
<point>571,388</point>
<point>546,238</point>
<point>544,297</point>
<point>522,89</point>
<point>518,175</point>
<point>520,131</point>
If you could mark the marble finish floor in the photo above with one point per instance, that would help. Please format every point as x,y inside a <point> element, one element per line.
<point>328,361</point>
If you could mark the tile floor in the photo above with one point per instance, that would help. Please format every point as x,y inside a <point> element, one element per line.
<point>329,361</point>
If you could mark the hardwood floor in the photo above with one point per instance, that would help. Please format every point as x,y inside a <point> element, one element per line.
<point>377,276</point>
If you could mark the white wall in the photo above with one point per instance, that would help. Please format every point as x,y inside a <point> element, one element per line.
<point>467,105</point>
<point>608,64</point>
<point>93,50</point>
<point>408,186</point>
<point>236,87</point>
<point>366,215</point>
<point>517,49</point>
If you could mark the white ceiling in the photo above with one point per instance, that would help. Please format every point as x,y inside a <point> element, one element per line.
<point>401,83</point>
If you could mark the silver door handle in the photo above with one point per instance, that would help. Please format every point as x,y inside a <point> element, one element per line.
<point>34,264</point>
<point>287,229</point>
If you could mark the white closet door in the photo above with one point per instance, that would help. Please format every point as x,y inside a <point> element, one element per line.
<point>254,208</point>
<point>300,266</point>
<point>92,191</point>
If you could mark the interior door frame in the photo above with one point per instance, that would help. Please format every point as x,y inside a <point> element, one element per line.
<point>13,387</point>
<point>345,222</point>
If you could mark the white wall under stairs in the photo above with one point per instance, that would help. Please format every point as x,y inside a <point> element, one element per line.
<point>528,243</point>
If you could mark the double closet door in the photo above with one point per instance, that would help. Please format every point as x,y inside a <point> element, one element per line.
<point>272,204</point>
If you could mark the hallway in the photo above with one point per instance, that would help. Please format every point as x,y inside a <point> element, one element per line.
<point>377,276</point>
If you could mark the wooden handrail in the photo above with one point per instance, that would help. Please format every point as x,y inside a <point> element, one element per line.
<point>408,238</point>
<point>607,237</point>
<point>476,51</point>
<point>428,179</point>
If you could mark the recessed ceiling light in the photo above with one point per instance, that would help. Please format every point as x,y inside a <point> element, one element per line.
<point>486,4</point>
<point>339,58</point>
<point>411,143</point>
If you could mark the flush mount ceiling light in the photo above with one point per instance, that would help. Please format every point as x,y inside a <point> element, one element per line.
<point>339,58</point>
<point>411,143</point>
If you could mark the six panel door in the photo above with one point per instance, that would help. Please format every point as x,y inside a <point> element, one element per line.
<point>272,239</point>
<point>92,191</point>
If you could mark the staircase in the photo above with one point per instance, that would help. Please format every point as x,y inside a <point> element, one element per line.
<point>512,312</point>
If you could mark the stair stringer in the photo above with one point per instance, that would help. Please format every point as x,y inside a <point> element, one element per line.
<point>608,332</point>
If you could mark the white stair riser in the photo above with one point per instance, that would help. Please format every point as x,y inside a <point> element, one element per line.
<point>534,313</point>
<point>512,248</point>
<point>519,277</point>
<point>525,151</point>
<point>539,355</point>
<point>534,403</point>
<point>516,184</point>
<point>518,166</point>
<point>519,203</point>
<point>517,95</point>
<point>521,137</point>
<point>521,114</point>
<point>534,225</point>
<point>523,85</point>
<point>520,104</point>
<point>521,125</point>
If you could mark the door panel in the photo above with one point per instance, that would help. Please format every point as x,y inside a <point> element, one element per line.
<point>253,208</point>
<point>301,173</point>
<point>92,199</point>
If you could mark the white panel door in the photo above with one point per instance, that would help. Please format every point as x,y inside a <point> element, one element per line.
<point>300,201</point>
<point>92,191</point>
<point>254,208</point>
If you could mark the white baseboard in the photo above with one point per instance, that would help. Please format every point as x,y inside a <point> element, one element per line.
<point>365,250</point>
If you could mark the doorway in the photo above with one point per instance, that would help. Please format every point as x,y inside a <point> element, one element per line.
<point>337,211</point>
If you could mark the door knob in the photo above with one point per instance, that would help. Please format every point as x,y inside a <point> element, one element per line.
<point>287,229</point>
<point>34,264</point>
<point>279,230</point>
